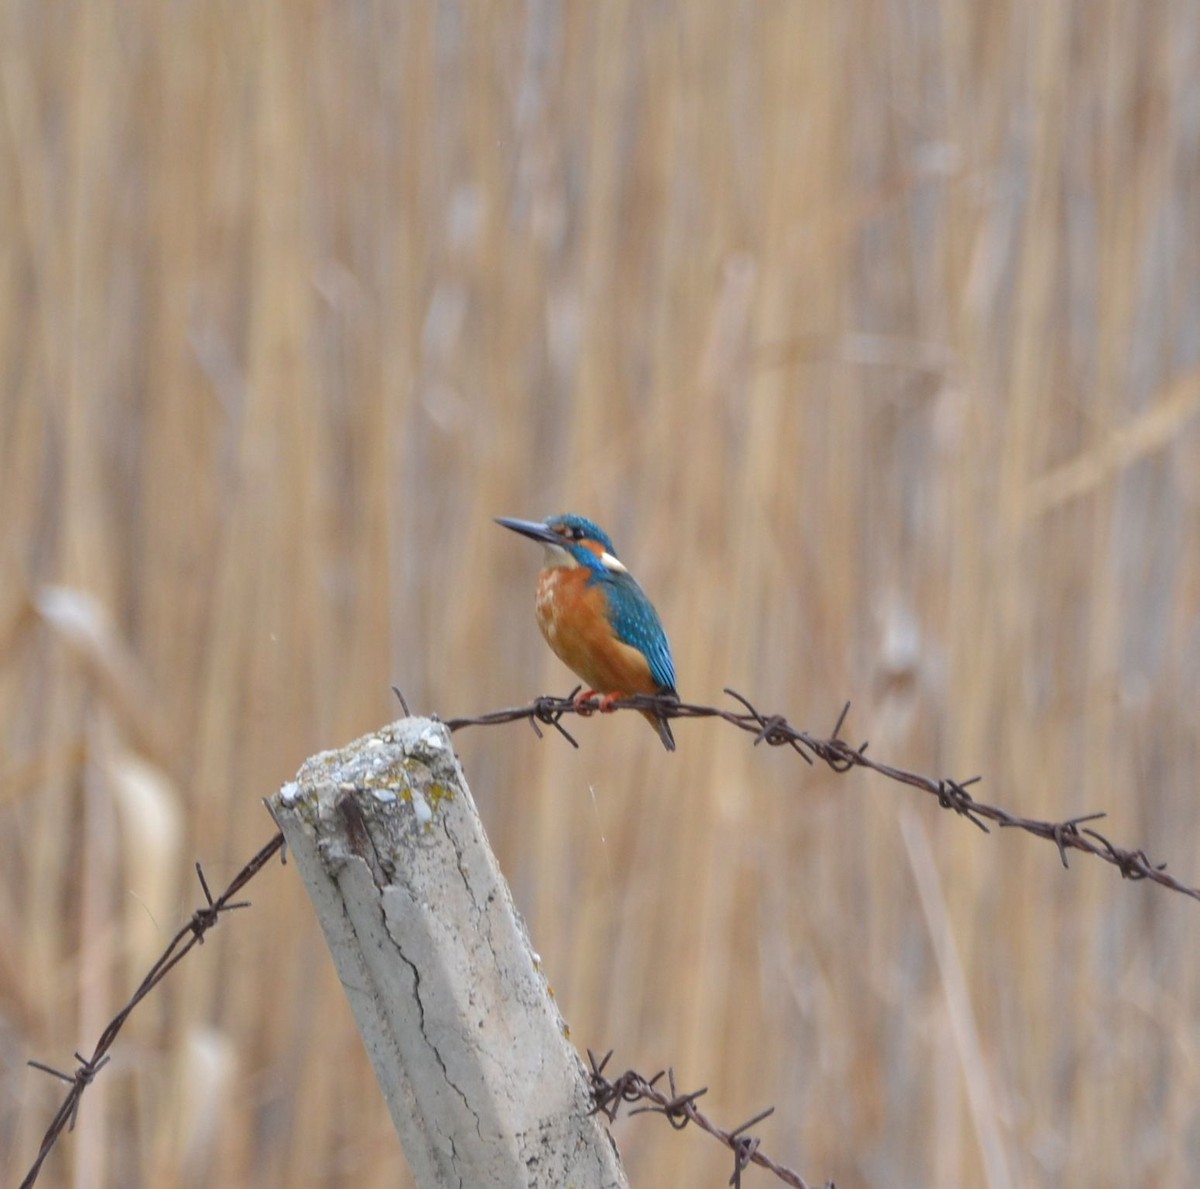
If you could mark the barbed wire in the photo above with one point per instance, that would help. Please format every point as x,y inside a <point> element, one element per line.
<point>840,756</point>
<point>680,1110</point>
<point>630,1087</point>
<point>188,937</point>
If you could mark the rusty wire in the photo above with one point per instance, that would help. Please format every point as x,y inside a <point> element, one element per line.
<point>840,756</point>
<point>680,1110</point>
<point>189,936</point>
<point>630,1087</point>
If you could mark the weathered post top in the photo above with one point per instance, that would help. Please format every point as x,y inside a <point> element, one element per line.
<point>465,1038</point>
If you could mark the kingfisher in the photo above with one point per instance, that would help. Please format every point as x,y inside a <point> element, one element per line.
<point>595,616</point>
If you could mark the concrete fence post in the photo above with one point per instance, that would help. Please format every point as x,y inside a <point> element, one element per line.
<point>465,1038</point>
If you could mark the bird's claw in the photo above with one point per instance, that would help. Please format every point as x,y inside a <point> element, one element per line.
<point>582,701</point>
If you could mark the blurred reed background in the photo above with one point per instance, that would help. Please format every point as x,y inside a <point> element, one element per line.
<point>870,330</point>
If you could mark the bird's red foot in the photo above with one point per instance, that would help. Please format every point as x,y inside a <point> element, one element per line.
<point>582,699</point>
<point>606,702</point>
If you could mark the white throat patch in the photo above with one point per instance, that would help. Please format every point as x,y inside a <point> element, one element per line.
<point>557,558</point>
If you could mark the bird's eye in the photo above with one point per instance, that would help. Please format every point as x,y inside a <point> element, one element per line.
<point>576,533</point>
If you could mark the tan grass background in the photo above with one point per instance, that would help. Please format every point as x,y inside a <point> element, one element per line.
<point>870,330</point>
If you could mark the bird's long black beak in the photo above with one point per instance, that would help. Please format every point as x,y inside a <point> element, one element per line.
<point>531,528</point>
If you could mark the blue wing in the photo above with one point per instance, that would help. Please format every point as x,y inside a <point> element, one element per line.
<point>636,623</point>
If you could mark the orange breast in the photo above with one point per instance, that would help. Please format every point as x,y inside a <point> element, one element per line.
<point>572,617</point>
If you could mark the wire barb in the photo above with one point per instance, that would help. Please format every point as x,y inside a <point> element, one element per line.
<point>679,1110</point>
